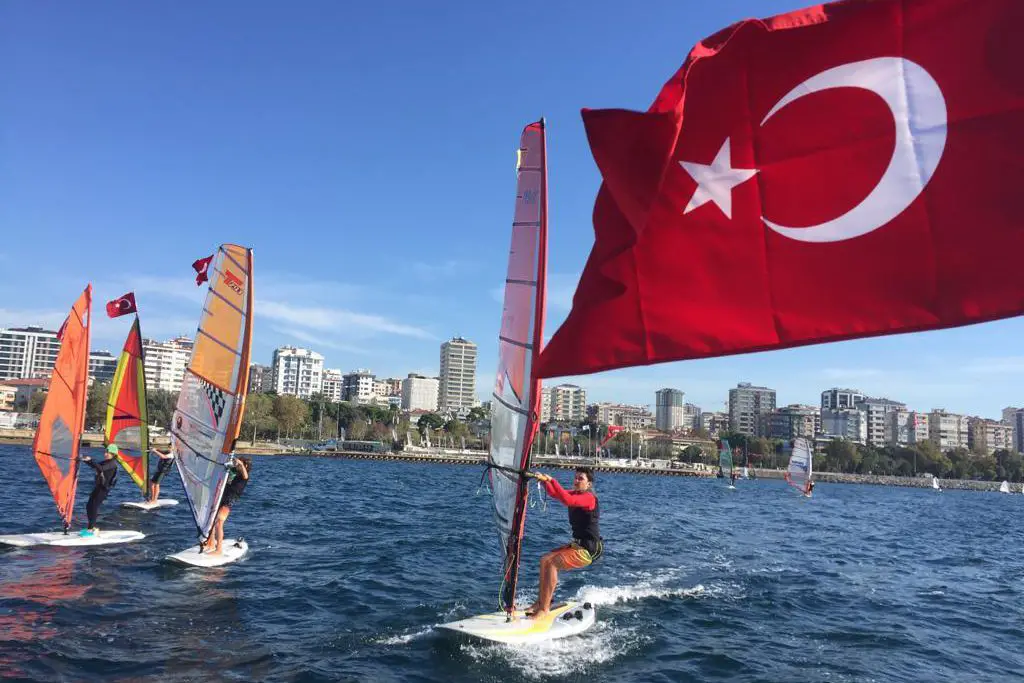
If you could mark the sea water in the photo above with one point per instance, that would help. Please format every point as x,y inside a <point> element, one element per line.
<point>353,563</point>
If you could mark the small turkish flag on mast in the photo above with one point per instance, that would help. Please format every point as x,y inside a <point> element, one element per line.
<point>122,306</point>
<point>201,266</point>
<point>848,170</point>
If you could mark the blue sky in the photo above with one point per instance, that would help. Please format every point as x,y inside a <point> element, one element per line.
<point>366,152</point>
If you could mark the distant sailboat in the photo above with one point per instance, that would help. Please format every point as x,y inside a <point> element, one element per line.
<point>746,473</point>
<point>1004,487</point>
<point>58,438</point>
<point>935,484</point>
<point>801,465</point>
<point>725,461</point>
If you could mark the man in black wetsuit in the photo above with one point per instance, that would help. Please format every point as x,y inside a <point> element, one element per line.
<point>239,469</point>
<point>106,475</point>
<point>162,468</point>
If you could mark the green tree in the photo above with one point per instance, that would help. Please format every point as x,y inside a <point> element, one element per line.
<point>478,413</point>
<point>160,406</point>
<point>35,401</point>
<point>290,412</point>
<point>259,415</point>
<point>431,421</point>
<point>96,405</point>
<point>841,456</point>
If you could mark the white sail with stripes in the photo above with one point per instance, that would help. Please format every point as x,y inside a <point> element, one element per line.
<point>212,399</point>
<point>801,464</point>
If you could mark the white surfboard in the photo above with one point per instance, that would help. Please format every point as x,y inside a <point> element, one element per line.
<point>146,505</point>
<point>191,557</point>
<point>732,488</point>
<point>73,538</point>
<point>566,619</point>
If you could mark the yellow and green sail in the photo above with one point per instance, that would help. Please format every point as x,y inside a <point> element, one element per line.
<point>126,424</point>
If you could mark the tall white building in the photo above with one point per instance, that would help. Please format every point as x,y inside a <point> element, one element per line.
<point>357,386</point>
<point>331,384</point>
<point>568,403</point>
<point>297,372</point>
<point>668,409</point>
<point>878,424</point>
<point>27,352</point>
<point>165,363</point>
<point>691,416</point>
<point>747,404</point>
<point>791,422</point>
<point>102,366</point>
<point>457,390</point>
<point>419,392</point>
<point>947,430</point>
<point>545,404</point>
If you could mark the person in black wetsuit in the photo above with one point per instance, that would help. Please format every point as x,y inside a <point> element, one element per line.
<point>106,475</point>
<point>586,545</point>
<point>239,469</point>
<point>165,465</point>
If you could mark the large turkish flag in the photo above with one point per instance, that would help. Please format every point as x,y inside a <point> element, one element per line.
<point>847,170</point>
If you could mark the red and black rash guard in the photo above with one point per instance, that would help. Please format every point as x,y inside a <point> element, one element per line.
<point>584,513</point>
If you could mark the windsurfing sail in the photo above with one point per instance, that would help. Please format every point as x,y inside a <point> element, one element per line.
<point>516,404</point>
<point>725,458</point>
<point>60,425</point>
<point>935,483</point>
<point>209,412</point>
<point>127,422</point>
<point>1004,487</point>
<point>801,464</point>
<point>746,473</point>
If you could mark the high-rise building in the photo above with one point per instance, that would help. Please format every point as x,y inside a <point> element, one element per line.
<point>260,379</point>
<point>27,352</point>
<point>838,399</point>
<point>568,403</point>
<point>457,390</point>
<point>791,422</point>
<point>545,404</point>
<point>947,430</point>
<point>714,422</point>
<point>102,366</point>
<point>331,385</point>
<point>1018,430</point>
<point>419,392</point>
<point>668,409</point>
<point>297,372</point>
<point>877,422</point>
<point>747,404</point>
<point>165,363</point>
<point>989,436</point>
<point>357,386</point>
<point>845,423</point>
<point>691,416</point>
<point>906,427</point>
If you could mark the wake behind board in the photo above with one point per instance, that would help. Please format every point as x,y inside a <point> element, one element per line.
<point>566,619</point>
<point>147,505</point>
<point>191,557</point>
<point>59,538</point>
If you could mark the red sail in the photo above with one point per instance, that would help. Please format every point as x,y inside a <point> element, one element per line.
<point>126,424</point>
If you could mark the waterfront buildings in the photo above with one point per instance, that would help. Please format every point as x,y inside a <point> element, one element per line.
<point>457,387</point>
<point>331,384</point>
<point>297,372</point>
<point>668,409</point>
<point>165,363</point>
<point>747,404</point>
<point>260,378</point>
<point>357,386</point>
<point>947,430</point>
<point>420,393</point>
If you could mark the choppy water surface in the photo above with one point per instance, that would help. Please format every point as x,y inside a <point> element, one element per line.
<point>353,563</point>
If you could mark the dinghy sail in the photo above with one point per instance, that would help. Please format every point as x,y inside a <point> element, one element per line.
<point>209,412</point>
<point>516,395</point>
<point>1004,487</point>
<point>63,418</point>
<point>127,422</point>
<point>801,464</point>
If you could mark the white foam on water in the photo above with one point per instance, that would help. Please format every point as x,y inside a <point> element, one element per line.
<point>404,638</point>
<point>563,657</point>
<point>609,595</point>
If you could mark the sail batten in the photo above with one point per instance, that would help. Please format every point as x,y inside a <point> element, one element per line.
<point>208,414</point>
<point>517,390</point>
<point>57,440</point>
<point>127,421</point>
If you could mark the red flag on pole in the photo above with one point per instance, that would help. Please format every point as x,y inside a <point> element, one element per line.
<point>848,170</point>
<point>201,266</point>
<point>613,430</point>
<point>122,306</point>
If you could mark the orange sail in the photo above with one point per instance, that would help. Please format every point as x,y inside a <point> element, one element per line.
<point>60,426</point>
<point>126,411</point>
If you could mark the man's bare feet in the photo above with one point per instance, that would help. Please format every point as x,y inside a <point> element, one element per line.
<point>539,614</point>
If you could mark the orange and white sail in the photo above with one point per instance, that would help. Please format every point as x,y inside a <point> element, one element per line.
<point>57,440</point>
<point>209,412</point>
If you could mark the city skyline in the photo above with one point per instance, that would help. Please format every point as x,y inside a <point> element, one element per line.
<point>373,247</point>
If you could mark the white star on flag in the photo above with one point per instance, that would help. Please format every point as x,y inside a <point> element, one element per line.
<point>716,181</point>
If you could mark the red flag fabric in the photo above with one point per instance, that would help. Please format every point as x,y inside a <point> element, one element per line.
<point>201,266</point>
<point>612,431</point>
<point>848,170</point>
<point>122,306</point>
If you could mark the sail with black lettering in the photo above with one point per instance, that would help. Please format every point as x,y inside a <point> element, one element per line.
<point>801,465</point>
<point>209,411</point>
<point>516,397</point>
